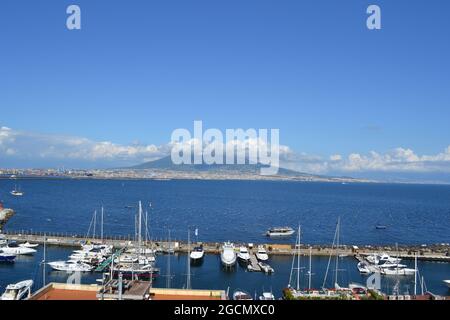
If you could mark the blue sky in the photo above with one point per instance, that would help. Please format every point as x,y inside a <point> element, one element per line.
<point>140,69</point>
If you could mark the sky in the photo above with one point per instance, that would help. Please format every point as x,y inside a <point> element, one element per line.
<point>347,100</point>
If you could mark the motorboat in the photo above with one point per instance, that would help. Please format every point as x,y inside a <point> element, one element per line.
<point>279,232</point>
<point>7,257</point>
<point>14,249</point>
<point>241,295</point>
<point>397,271</point>
<point>447,283</point>
<point>29,245</point>
<point>70,266</point>
<point>228,256</point>
<point>379,259</point>
<point>17,291</point>
<point>197,253</point>
<point>267,296</point>
<point>265,267</point>
<point>363,268</point>
<point>133,272</point>
<point>261,254</point>
<point>243,254</point>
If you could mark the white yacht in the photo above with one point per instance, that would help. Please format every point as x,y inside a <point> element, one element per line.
<point>28,245</point>
<point>279,232</point>
<point>447,282</point>
<point>243,254</point>
<point>70,266</point>
<point>379,259</point>
<point>17,291</point>
<point>228,256</point>
<point>241,295</point>
<point>197,254</point>
<point>14,249</point>
<point>267,296</point>
<point>363,268</point>
<point>397,271</point>
<point>261,254</point>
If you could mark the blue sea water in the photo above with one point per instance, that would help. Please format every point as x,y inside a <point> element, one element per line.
<point>238,211</point>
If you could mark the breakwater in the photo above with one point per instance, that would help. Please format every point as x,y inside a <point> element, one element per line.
<point>438,252</point>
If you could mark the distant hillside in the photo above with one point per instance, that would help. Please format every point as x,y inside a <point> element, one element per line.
<point>167,164</point>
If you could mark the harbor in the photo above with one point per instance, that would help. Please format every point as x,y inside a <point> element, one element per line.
<point>188,259</point>
<point>437,253</point>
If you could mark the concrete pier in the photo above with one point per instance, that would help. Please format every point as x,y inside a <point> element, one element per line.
<point>439,252</point>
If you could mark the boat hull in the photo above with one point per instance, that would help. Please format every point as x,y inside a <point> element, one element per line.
<point>7,258</point>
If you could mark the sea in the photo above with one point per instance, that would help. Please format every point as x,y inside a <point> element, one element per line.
<point>239,211</point>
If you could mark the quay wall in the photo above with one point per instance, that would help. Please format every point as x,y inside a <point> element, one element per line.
<point>439,252</point>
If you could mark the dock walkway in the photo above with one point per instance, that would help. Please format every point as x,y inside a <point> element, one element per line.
<point>254,263</point>
<point>438,253</point>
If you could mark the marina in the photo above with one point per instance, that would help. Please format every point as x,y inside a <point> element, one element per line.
<point>262,266</point>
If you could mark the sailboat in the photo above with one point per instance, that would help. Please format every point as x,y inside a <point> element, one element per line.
<point>140,266</point>
<point>16,192</point>
<point>337,291</point>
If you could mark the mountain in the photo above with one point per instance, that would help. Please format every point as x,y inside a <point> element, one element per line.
<point>166,164</point>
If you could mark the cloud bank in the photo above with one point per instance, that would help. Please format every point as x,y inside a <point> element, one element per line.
<point>29,148</point>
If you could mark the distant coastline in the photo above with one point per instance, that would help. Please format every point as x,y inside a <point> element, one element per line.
<point>168,175</point>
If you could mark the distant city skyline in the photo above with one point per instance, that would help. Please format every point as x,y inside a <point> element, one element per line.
<point>347,100</point>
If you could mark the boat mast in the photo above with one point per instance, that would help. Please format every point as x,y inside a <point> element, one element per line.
<point>146,226</point>
<point>298,258</point>
<point>44,261</point>
<point>309,273</point>
<point>168,280</point>
<point>140,229</point>
<point>95,222</point>
<point>188,281</point>
<point>337,253</point>
<point>101,226</point>
<point>415,274</point>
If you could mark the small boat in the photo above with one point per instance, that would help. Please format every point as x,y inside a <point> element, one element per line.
<point>261,254</point>
<point>228,256</point>
<point>397,271</point>
<point>380,227</point>
<point>70,266</point>
<point>379,259</point>
<point>131,272</point>
<point>197,253</point>
<point>14,249</point>
<point>243,254</point>
<point>279,232</point>
<point>241,295</point>
<point>7,257</point>
<point>28,245</point>
<point>363,268</point>
<point>17,291</point>
<point>265,267</point>
<point>267,296</point>
<point>447,282</point>
<point>16,192</point>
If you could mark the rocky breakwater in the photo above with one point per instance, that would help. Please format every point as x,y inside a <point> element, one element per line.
<point>5,215</point>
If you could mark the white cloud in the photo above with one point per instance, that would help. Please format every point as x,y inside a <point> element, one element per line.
<point>26,145</point>
<point>34,146</point>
